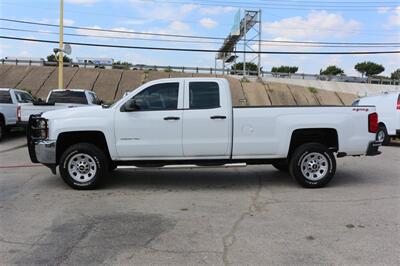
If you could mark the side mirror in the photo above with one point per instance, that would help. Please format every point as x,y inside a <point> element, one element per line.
<point>98,102</point>
<point>130,106</point>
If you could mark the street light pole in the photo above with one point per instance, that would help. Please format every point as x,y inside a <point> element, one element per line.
<point>60,51</point>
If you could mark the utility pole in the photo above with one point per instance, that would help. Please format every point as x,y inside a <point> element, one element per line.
<point>259,43</point>
<point>60,51</point>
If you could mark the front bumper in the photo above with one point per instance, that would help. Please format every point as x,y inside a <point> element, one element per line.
<point>43,151</point>
<point>40,150</point>
<point>373,148</point>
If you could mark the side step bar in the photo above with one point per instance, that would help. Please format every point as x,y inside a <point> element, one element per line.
<point>186,166</point>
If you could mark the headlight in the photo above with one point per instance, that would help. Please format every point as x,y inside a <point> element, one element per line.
<point>40,128</point>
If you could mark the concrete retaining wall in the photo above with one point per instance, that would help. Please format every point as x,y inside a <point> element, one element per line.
<point>359,89</point>
<point>110,85</point>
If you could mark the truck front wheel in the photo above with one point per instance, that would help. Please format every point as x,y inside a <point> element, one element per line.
<point>82,166</point>
<point>2,130</point>
<point>312,165</point>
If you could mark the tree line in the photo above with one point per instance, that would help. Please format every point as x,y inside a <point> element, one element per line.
<point>366,69</point>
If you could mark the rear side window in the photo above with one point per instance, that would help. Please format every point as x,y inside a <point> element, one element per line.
<point>23,97</point>
<point>356,103</point>
<point>203,95</point>
<point>5,97</point>
<point>77,97</point>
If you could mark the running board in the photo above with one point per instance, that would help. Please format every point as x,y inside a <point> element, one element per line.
<point>185,166</point>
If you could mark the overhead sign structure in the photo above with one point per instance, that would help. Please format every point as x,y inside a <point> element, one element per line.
<point>241,27</point>
<point>236,24</point>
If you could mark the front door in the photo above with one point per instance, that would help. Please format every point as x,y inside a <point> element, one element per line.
<point>154,130</point>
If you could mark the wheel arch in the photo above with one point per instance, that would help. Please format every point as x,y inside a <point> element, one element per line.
<point>67,139</point>
<point>326,136</point>
<point>2,119</point>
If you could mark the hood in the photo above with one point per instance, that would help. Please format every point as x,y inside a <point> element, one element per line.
<point>75,112</point>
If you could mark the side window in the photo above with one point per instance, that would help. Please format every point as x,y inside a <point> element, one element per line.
<point>203,95</point>
<point>23,97</point>
<point>5,97</point>
<point>158,97</point>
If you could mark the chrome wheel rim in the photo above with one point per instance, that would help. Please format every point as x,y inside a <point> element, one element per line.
<point>381,136</point>
<point>314,166</point>
<point>82,167</point>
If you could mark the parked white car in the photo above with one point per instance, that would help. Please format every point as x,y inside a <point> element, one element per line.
<point>388,108</point>
<point>184,121</point>
<point>11,101</point>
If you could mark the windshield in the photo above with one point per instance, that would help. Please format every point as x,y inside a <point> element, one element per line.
<point>77,97</point>
<point>23,97</point>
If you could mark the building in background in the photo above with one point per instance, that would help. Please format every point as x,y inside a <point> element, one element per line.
<point>99,62</point>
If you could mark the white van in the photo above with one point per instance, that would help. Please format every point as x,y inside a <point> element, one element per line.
<point>388,109</point>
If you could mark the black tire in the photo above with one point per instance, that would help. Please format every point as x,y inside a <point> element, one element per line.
<point>305,154</point>
<point>95,158</point>
<point>112,166</point>
<point>283,167</point>
<point>2,130</point>
<point>386,138</point>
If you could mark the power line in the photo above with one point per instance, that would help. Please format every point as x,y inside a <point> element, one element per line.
<point>199,50</point>
<point>321,4</point>
<point>190,36</point>
<point>266,6</point>
<point>312,45</point>
<point>146,20</point>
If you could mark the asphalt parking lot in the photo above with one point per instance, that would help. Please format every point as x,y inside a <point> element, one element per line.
<point>253,215</point>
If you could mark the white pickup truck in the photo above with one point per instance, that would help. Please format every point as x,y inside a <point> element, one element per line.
<point>58,99</point>
<point>388,108</point>
<point>191,121</point>
<point>11,101</point>
<point>16,106</point>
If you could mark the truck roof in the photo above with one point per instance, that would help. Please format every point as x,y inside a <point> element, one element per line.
<point>78,90</point>
<point>190,79</point>
<point>11,89</point>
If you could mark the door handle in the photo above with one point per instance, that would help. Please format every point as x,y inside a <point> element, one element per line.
<point>218,117</point>
<point>171,118</point>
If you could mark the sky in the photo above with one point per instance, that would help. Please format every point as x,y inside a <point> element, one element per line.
<point>291,20</point>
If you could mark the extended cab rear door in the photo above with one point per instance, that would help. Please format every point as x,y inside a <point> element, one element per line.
<point>206,119</point>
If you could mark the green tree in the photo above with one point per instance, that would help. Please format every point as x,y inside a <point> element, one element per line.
<point>52,58</point>
<point>369,68</point>
<point>395,74</point>
<point>249,67</point>
<point>332,71</point>
<point>285,69</point>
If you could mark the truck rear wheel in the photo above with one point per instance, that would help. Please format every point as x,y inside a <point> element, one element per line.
<point>82,166</point>
<point>382,135</point>
<point>312,165</point>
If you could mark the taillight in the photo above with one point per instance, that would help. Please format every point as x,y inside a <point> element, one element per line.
<point>373,123</point>
<point>398,103</point>
<point>19,113</point>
